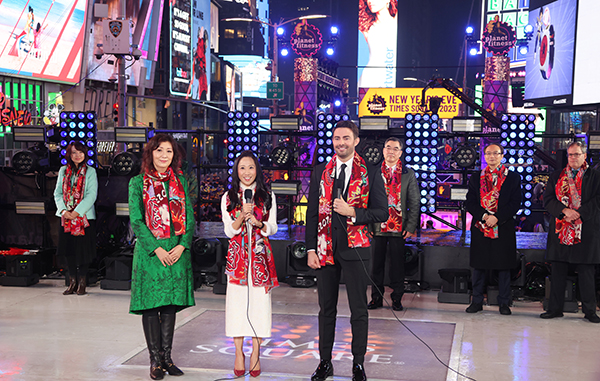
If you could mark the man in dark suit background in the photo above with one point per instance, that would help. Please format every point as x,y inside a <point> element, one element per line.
<point>344,197</point>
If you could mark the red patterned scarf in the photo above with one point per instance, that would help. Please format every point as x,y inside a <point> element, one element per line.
<point>72,196</point>
<point>358,197</point>
<point>160,211</point>
<point>490,183</point>
<point>393,188</point>
<point>568,191</point>
<point>263,269</point>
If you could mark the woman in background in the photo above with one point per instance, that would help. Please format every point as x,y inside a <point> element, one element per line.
<point>162,218</point>
<point>249,217</point>
<point>75,195</point>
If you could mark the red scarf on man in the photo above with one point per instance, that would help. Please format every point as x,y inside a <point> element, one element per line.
<point>393,188</point>
<point>160,211</point>
<point>72,196</point>
<point>263,269</point>
<point>490,183</point>
<point>358,197</point>
<point>568,191</point>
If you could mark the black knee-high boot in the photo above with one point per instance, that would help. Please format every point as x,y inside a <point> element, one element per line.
<point>167,327</point>
<point>151,324</point>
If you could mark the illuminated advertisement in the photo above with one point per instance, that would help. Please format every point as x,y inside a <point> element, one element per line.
<point>42,39</point>
<point>181,46</point>
<point>513,12</point>
<point>587,56</point>
<point>549,67</point>
<point>396,103</point>
<point>377,43</point>
<point>254,74</point>
<point>306,39</point>
<point>146,16</point>
<point>199,85</point>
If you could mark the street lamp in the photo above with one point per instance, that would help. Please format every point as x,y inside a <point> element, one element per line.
<point>274,45</point>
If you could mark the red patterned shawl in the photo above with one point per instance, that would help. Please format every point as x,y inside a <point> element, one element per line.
<point>393,188</point>
<point>489,192</point>
<point>568,191</point>
<point>358,197</point>
<point>263,269</point>
<point>72,196</point>
<point>160,211</point>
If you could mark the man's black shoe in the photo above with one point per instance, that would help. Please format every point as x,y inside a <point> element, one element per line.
<point>324,370</point>
<point>505,309</point>
<point>592,317</point>
<point>551,315</point>
<point>358,373</point>
<point>474,307</point>
<point>397,305</point>
<point>375,303</point>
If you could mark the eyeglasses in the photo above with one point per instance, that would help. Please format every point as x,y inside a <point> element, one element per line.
<point>392,149</point>
<point>575,154</point>
<point>492,153</point>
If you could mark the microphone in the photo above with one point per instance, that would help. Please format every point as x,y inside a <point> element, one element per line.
<point>248,196</point>
<point>338,193</point>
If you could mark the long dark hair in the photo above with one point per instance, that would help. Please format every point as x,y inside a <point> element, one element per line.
<point>77,146</point>
<point>262,194</point>
<point>152,145</point>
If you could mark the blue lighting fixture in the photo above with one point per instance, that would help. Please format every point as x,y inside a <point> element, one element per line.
<point>280,31</point>
<point>248,135</point>
<point>469,31</point>
<point>473,51</point>
<point>325,124</point>
<point>421,155</point>
<point>517,134</point>
<point>334,30</point>
<point>337,103</point>
<point>81,127</point>
<point>285,52</point>
<point>330,51</point>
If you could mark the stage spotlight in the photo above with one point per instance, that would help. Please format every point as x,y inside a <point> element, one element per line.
<point>25,162</point>
<point>281,156</point>
<point>465,156</point>
<point>523,49</point>
<point>372,154</point>
<point>285,52</point>
<point>337,103</point>
<point>205,254</point>
<point>329,51</point>
<point>126,164</point>
<point>280,31</point>
<point>473,51</point>
<point>469,31</point>
<point>299,274</point>
<point>334,30</point>
<point>528,29</point>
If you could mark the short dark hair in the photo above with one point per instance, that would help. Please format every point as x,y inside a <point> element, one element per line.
<point>152,145</point>
<point>347,124</point>
<point>494,144</point>
<point>394,139</point>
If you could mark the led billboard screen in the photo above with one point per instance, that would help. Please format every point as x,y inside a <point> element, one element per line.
<point>254,74</point>
<point>42,39</point>
<point>549,78</point>
<point>377,43</point>
<point>587,56</point>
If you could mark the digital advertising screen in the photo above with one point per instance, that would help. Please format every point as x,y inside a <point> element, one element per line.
<point>254,74</point>
<point>42,39</point>
<point>377,43</point>
<point>201,28</point>
<point>587,55</point>
<point>146,16</point>
<point>549,65</point>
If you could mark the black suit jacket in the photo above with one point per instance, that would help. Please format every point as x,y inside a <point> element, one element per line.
<point>376,211</point>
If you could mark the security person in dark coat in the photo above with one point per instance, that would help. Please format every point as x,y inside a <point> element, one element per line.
<point>494,197</point>
<point>403,205</point>
<point>572,197</point>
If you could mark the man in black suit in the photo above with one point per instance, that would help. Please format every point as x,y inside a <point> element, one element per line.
<point>344,197</point>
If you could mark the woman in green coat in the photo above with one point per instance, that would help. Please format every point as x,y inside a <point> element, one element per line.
<point>162,218</point>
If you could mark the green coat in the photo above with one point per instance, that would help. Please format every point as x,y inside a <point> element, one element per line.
<point>152,284</point>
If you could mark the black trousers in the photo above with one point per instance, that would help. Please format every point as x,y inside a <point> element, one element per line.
<point>478,279</point>
<point>587,291</point>
<point>328,284</point>
<point>396,272</point>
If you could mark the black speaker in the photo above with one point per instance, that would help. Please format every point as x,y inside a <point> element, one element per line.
<point>455,286</point>
<point>570,304</point>
<point>118,268</point>
<point>19,265</point>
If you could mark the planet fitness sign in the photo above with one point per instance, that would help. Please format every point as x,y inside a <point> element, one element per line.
<point>306,39</point>
<point>498,37</point>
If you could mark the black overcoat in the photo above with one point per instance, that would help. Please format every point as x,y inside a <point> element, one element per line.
<point>588,251</point>
<point>499,253</point>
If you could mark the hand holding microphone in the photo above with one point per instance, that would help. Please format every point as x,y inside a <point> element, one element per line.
<point>341,207</point>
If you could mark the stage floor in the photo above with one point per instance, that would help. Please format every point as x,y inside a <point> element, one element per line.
<point>47,336</point>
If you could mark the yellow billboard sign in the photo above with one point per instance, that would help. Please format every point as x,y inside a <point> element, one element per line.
<point>396,103</point>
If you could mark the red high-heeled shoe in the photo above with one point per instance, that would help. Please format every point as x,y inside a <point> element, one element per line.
<point>237,372</point>
<point>255,373</point>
